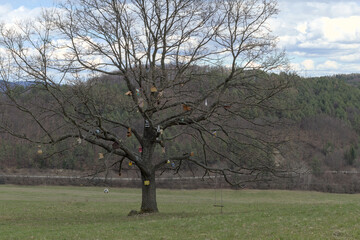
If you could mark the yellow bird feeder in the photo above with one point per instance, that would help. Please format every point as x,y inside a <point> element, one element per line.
<point>146,182</point>
<point>153,89</point>
<point>39,151</point>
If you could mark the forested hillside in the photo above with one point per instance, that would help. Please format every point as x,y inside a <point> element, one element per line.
<point>321,121</point>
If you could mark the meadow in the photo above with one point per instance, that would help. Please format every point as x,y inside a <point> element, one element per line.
<point>55,212</point>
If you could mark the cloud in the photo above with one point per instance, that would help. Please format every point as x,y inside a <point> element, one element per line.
<point>308,64</point>
<point>328,65</point>
<point>4,9</point>
<point>320,36</point>
<point>334,29</point>
<point>350,58</point>
<point>9,15</point>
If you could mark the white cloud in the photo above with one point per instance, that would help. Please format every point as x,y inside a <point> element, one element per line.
<point>350,58</point>
<point>335,29</point>
<point>4,9</point>
<point>328,65</point>
<point>308,64</point>
<point>13,15</point>
<point>320,35</point>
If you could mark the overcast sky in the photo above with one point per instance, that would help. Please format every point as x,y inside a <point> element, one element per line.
<point>321,37</point>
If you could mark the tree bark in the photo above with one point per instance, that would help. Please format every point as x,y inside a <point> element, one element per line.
<point>148,204</point>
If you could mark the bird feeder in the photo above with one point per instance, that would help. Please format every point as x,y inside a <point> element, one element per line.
<point>146,182</point>
<point>130,163</point>
<point>186,107</point>
<point>153,89</point>
<point>138,92</point>
<point>39,151</point>
<point>206,102</point>
<point>158,129</point>
<point>173,164</point>
<point>128,134</point>
<point>101,155</point>
<point>192,154</point>
<point>79,140</point>
<point>168,161</point>
<point>163,150</point>
<point>147,124</point>
<point>141,102</point>
<point>214,133</point>
<point>128,93</point>
<point>140,149</point>
<point>227,107</point>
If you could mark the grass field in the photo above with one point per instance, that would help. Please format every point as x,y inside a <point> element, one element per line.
<point>52,212</point>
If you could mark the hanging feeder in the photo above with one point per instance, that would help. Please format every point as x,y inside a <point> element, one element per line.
<point>186,107</point>
<point>130,163</point>
<point>141,102</point>
<point>147,124</point>
<point>167,161</point>
<point>128,134</point>
<point>173,164</point>
<point>138,92</point>
<point>163,150</point>
<point>39,151</point>
<point>101,155</point>
<point>158,129</point>
<point>146,182</point>
<point>128,93</point>
<point>140,149</point>
<point>192,154</point>
<point>227,107</point>
<point>214,133</point>
<point>79,140</point>
<point>153,89</point>
<point>206,102</point>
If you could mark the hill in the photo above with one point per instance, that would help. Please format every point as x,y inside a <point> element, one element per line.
<point>321,119</point>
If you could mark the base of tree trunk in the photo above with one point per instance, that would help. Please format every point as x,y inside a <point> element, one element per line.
<point>137,213</point>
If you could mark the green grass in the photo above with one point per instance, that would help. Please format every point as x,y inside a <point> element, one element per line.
<point>49,212</point>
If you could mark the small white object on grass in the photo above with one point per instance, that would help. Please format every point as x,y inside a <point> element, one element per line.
<point>106,190</point>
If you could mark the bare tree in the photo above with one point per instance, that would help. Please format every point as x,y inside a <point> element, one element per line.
<point>189,70</point>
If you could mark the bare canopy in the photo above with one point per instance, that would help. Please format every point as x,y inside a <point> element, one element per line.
<point>187,70</point>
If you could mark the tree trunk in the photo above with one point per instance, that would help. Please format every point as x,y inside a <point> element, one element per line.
<point>148,204</point>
